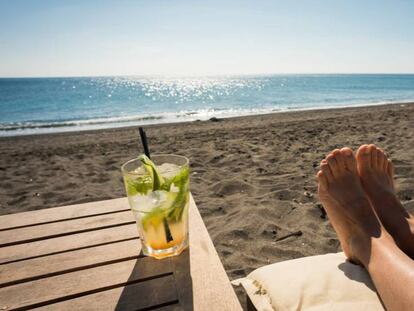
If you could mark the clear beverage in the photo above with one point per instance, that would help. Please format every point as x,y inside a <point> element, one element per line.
<point>158,194</point>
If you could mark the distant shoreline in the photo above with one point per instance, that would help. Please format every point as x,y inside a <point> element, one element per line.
<point>127,125</point>
<point>47,105</point>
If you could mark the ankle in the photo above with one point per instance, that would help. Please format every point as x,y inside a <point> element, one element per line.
<point>405,242</point>
<point>362,243</point>
<point>383,241</point>
<point>359,245</point>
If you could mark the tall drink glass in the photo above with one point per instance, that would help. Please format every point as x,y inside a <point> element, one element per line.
<point>158,194</point>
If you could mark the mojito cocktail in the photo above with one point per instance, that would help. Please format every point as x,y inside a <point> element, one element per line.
<point>158,193</point>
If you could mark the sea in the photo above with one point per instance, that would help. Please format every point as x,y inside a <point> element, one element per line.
<point>48,105</point>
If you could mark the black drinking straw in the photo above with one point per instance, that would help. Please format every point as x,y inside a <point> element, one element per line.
<point>144,141</point>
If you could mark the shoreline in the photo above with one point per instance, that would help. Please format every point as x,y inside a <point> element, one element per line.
<point>287,111</point>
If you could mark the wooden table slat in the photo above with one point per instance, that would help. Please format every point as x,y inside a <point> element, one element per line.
<point>76,283</point>
<point>29,234</point>
<point>211,287</point>
<point>20,271</point>
<point>132,297</point>
<point>61,213</point>
<point>65,243</point>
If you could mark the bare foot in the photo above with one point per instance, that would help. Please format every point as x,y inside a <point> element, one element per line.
<point>376,172</point>
<point>348,208</point>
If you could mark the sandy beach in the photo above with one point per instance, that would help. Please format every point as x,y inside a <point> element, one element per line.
<point>252,177</point>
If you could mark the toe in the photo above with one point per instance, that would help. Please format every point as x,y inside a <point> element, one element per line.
<point>326,171</point>
<point>390,169</point>
<point>373,151</point>
<point>380,158</point>
<point>390,172</point>
<point>339,159</point>
<point>386,159</point>
<point>363,157</point>
<point>349,158</point>
<point>333,165</point>
<point>322,180</point>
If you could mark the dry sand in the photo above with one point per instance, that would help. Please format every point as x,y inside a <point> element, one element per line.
<point>252,177</point>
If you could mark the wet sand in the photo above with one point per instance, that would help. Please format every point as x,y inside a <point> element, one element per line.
<point>252,177</point>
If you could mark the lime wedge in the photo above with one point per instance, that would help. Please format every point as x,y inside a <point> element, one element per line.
<point>181,182</point>
<point>157,179</point>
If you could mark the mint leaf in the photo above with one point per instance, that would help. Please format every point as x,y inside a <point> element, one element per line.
<point>139,185</point>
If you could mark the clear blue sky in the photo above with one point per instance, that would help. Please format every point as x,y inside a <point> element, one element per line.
<point>77,38</point>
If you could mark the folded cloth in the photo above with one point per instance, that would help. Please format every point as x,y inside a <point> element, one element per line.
<point>318,283</point>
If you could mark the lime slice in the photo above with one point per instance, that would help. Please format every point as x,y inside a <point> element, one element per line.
<point>157,179</point>
<point>180,181</point>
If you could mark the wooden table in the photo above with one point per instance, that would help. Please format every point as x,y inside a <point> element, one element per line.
<point>88,257</point>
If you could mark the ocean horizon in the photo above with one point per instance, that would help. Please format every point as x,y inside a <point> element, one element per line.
<point>50,105</point>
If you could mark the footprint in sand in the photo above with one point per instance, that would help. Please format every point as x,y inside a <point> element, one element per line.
<point>229,187</point>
